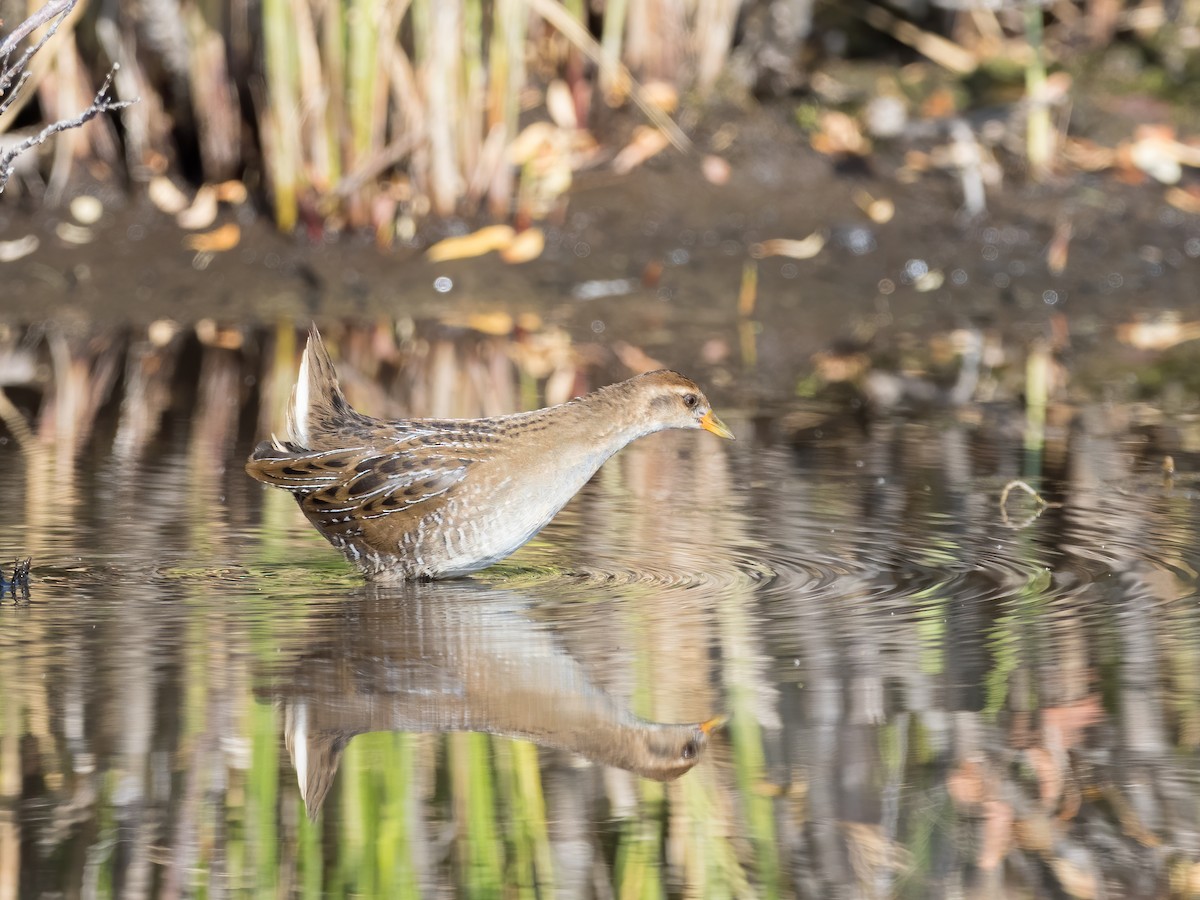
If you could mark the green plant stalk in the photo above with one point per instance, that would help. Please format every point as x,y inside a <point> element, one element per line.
<point>362,76</point>
<point>281,117</point>
<point>529,834</point>
<point>750,765</point>
<point>1037,395</point>
<point>472,98</point>
<point>262,797</point>
<point>480,854</point>
<point>394,848</point>
<point>311,856</point>
<point>1038,132</point>
<point>333,48</point>
<point>612,39</point>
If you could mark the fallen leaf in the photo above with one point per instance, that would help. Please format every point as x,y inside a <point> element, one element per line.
<point>209,333</point>
<point>1056,252</point>
<point>1186,199</point>
<point>646,142</point>
<point>166,196</point>
<point>232,192</point>
<point>216,241</point>
<point>531,140</point>
<point>662,95</point>
<point>18,248</point>
<point>879,211</point>
<point>1088,155</point>
<point>635,358</point>
<point>525,246</point>
<point>839,134</point>
<point>202,212</point>
<point>498,324</point>
<point>560,105</point>
<point>1154,152</point>
<point>467,246</point>
<point>805,248</point>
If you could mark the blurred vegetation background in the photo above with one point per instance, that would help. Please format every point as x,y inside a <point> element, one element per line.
<point>378,113</point>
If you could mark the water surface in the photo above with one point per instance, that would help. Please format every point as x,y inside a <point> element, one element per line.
<point>927,694</point>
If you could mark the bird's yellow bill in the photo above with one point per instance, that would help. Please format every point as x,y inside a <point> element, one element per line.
<point>715,425</point>
<point>713,724</point>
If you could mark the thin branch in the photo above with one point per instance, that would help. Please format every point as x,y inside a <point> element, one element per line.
<point>38,19</point>
<point>101,103</point>
<point>57,10</point>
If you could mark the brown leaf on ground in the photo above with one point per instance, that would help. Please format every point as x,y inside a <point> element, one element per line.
<point>646,142</point>
<point>218,240</point>
<point>202,212</point>
<point>840,134</point>
<point>1157,334</point>
<point>635,358</point>
<point>525,246</point>
<point>1186,199</point>
<point>485,240</point>
<point>805,248</point>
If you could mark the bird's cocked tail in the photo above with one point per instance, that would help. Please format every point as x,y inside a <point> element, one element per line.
<point>317,406</point>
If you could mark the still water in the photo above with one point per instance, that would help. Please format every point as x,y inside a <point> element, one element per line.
<point>927,694</point>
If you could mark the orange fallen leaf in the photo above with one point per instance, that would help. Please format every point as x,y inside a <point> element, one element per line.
<point>661,94</point>
<point>485,240</point>
<point>646,142</point>
<point>839,134</point>
<point>233,192</point>
<point>1157,334</point>
<point>224,238</point>
<point>1185,199</point>
<point>525,246</point>
<point>1056,252</point>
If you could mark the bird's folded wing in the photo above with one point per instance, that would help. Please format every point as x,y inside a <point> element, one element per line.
<point>366,481</point>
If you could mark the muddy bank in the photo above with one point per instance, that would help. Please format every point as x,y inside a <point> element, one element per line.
<point>658,258</point>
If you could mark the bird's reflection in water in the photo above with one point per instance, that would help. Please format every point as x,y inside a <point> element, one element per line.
<point>459,657</point>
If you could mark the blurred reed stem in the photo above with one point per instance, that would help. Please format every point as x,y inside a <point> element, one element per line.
<point>280,122</point>
<point>1039,135</point>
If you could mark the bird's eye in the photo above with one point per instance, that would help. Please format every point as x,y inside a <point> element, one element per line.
<point>689,750</point>
<point>690,400</point>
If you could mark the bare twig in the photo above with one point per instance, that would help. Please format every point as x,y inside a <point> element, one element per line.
<point>57,10</point>
<point>101,103</point>
<point>37,20</point>
<point>1042,503</point>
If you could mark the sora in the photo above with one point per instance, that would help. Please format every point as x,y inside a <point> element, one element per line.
<point>438,498</point>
